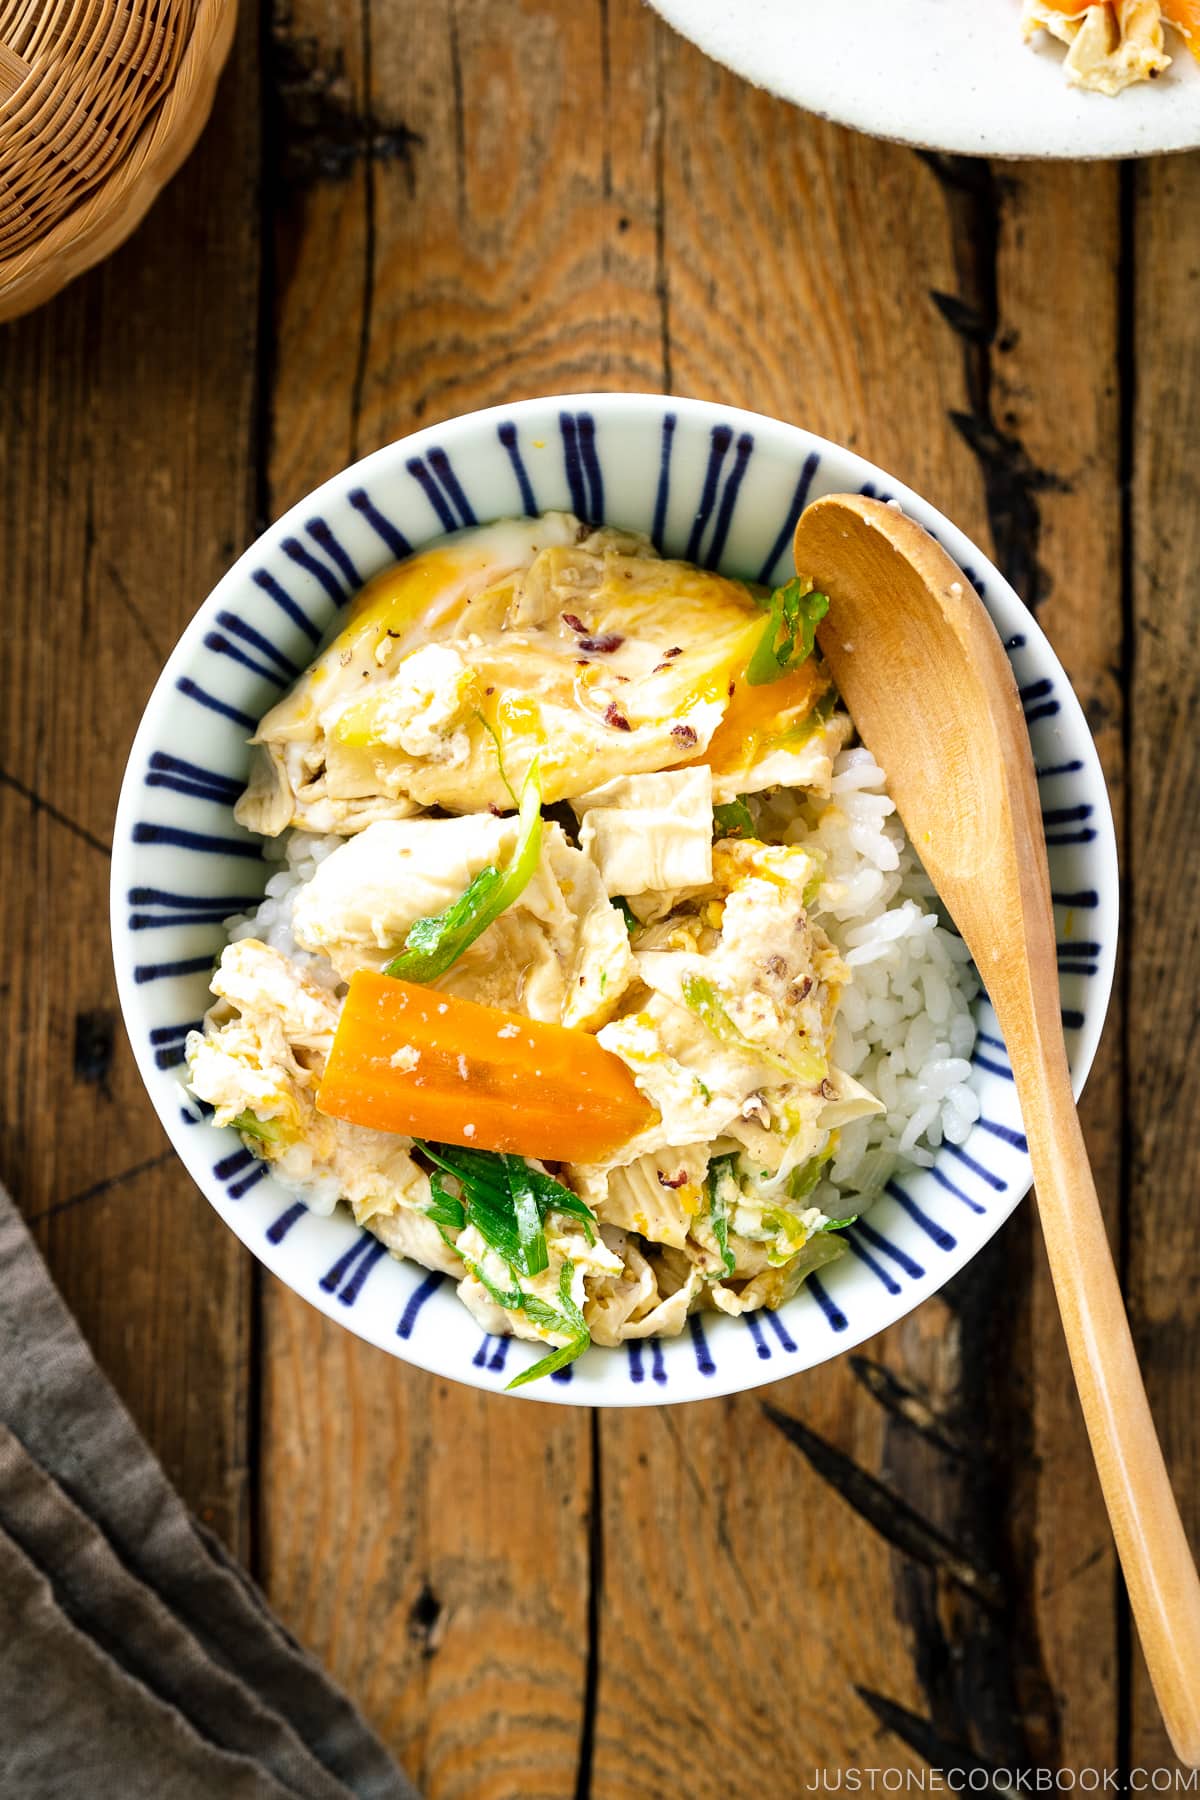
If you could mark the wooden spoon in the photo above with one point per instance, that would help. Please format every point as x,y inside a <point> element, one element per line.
<point>926,679</point>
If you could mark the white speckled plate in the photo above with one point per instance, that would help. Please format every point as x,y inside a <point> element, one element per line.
<point>943,74</point>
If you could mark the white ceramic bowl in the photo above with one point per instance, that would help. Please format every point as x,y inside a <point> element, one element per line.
<point>709,483</point>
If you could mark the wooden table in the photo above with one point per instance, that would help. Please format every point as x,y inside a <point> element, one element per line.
<point>400,212</point>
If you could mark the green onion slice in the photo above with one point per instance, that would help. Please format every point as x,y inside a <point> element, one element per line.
<point>434,944</point>
<point>793,613</point>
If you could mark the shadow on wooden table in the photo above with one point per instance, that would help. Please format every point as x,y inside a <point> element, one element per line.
<point>901,1558</point>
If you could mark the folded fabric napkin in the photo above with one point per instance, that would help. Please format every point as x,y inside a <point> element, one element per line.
<point>136,1657</point>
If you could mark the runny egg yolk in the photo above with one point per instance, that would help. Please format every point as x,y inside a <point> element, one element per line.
<point>755,715</point>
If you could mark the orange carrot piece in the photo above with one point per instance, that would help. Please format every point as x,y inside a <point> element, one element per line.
<point>1183,14</point>
<point>408,1059</point>
<point>1186,15</point>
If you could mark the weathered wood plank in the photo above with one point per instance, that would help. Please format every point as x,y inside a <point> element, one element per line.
<point>744,1602</point>
<point>749,1618</point>
<point>474,228</point>
<point>498,238</point>
<point>453,1604</point>
<point>1160,929</point>
<point>126,408</point>
<point>863,306</point>
<point>516,199</point>
<point>1055,398</point>
<point>319,181</point>
<point>527,263</point>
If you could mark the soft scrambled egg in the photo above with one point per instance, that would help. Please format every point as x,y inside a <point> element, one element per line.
<point>258,1063</point>
<point>560,952</point>
<point>692,956</point>
<point>535,637</point>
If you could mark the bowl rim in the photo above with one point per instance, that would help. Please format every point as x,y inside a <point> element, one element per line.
<point>429,1354</point>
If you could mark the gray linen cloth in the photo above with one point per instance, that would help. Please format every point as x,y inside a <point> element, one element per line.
<point>136,1657</point>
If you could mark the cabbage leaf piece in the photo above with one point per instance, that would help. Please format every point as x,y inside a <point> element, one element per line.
<point>701,997</point>
<point>434,944</point>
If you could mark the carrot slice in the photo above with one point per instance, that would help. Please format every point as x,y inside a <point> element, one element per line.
<point>408,1059</point>
<point>1185,14</point>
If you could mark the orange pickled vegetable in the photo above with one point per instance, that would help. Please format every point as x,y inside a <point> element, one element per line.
<point>1186,15</point>
<point>408,1059</point>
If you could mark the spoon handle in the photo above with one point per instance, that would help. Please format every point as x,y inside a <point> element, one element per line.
<point>1159,1571</point>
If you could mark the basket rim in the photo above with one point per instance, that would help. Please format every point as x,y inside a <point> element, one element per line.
<point>106,215</point>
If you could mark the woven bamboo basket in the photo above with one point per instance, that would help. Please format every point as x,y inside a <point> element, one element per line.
<point>100,101</point>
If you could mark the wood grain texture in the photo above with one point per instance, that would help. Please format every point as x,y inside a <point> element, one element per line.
<point>319,174</point>
<point>470,219</point>
<point>1162,920</point>
<point>818,336</point>
<point>930,688</point>
<point>484,257</point>
<point>432,1548</point>
<point>905,1561</point>
<point>752,1550</point>
<point>127,488</point>
<point>781,264</point>
<point>1058,245</point>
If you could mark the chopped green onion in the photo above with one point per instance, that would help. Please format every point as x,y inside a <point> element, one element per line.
<point>794,612</point>
<point>700,997</point>
<point>825,706</point>
<point>486,1206</point>
<point>435,943</point>
<point>446,1209</point>
<point>627,913</point>
<point>805,1176</point>
<point>552,1196</point>
<point>837,1224</point>
<point>495,737</point>
<point>511,1299</point>
<point>506,1200</point>
<point>534,1255</point>
<point>733,819</point>
<point>792,1230</point>
<point>251,1126</point>
<point>720,1170</point>
<point>489,1209</point>
<point>569,1320</point>
<point>822,1248</point>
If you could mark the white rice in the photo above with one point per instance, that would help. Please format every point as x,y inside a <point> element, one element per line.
<point>298,854</point>
<point>904,1027</point>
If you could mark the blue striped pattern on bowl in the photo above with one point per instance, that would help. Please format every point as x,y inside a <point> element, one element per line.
<point>719,487</point>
